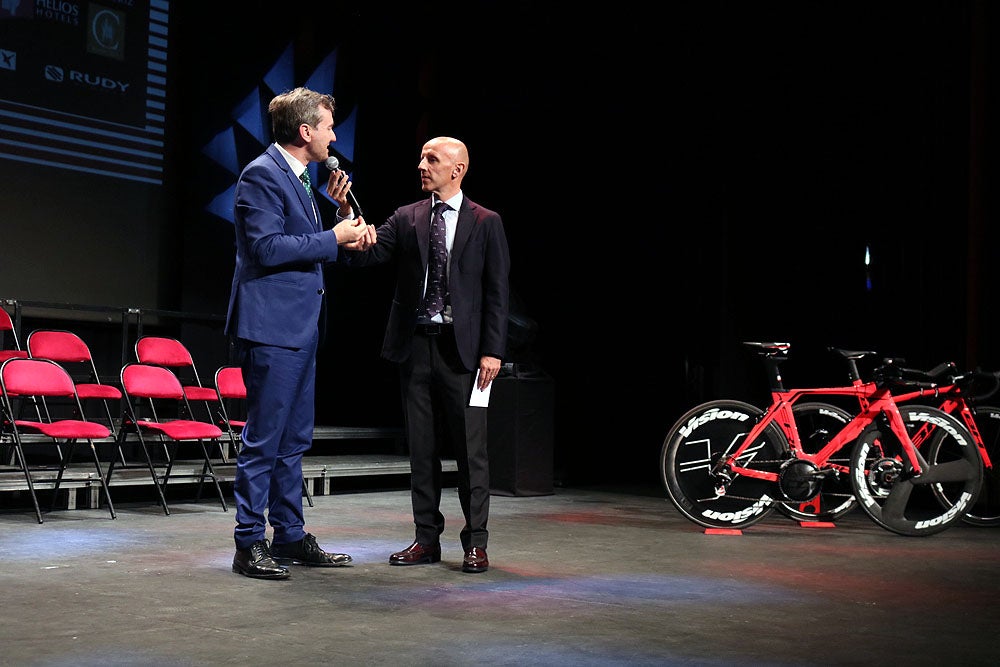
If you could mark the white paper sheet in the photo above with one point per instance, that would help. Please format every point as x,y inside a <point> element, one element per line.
<point>480,399</point>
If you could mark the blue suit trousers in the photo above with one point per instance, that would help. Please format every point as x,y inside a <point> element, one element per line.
<point>281,387</point>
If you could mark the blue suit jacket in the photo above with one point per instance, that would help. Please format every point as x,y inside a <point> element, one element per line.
<point>278,291</point>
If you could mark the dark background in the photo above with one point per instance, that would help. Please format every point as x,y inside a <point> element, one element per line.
<point>674,178</point>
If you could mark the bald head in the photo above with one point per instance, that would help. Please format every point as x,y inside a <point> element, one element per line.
<point>453,148</point>
<point>443,163</point>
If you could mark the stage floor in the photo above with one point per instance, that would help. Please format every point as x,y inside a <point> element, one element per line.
<point>581,577</point>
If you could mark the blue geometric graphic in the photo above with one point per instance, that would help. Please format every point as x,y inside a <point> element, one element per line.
<point>233,146</point>
<point>281,75</point>
<point>222,149</point>
<point>251,115</point>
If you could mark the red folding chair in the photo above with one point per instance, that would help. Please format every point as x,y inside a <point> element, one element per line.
<point>155,409</point>
<point>69,350</point>
<point>173,354</point>
<point>46,381</point>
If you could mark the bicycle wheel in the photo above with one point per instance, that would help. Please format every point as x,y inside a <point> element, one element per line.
<point>831,496</point>
<point>696,442</point>
<point>906,504</point>
<point>986,510</point>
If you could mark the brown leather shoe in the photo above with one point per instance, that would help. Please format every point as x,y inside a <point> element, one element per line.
<point>475,560</point>
<point>417,554</point>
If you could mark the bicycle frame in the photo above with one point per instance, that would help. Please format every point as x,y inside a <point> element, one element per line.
<point>953,402</point>
<point>873,399</point>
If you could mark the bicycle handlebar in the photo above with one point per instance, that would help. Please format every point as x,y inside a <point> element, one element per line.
<point>993,380</point>
<point>942,374</point>
<point>889,373</point>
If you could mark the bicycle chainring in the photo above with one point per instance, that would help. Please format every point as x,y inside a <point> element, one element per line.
<point>799,480</point>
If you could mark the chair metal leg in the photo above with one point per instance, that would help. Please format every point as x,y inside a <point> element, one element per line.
<point>63,462</point>
<point>309,495</point>
<point>209,471</point>
<point>152,473</point>
<point>104,484</point>
<point>19,453</point>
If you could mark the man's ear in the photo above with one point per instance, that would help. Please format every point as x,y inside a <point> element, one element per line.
<point>305,132</point>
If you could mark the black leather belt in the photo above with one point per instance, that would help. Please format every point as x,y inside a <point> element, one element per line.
<point>432,329</point>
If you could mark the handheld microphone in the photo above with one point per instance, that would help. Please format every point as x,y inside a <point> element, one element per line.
<point>332,164</point>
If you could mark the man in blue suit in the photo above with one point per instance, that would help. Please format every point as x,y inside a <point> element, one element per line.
<point>275,307</point>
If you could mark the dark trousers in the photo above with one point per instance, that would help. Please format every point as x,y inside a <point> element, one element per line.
<point>436,392</point>
<point>281,385</point>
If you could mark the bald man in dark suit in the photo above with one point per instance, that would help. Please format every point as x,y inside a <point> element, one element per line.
<point>443,350</point>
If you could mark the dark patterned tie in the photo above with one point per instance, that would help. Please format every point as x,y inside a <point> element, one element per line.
<point>437,264</point>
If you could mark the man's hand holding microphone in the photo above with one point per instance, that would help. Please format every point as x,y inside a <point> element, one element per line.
<point>339,189</point>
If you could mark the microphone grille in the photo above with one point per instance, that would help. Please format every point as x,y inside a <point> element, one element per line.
<point>331,163</point>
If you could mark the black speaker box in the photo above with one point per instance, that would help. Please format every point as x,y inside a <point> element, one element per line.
<point>520,434</point>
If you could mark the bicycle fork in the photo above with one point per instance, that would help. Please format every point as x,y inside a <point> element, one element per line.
<point>891,416</point>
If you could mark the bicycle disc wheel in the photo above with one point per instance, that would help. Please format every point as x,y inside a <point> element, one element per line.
<point>833,496</point>
<point>986,510</point>
<point>906,504</point>
<point>696,442</point>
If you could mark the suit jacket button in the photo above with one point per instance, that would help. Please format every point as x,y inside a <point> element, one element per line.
<point>321,291</point>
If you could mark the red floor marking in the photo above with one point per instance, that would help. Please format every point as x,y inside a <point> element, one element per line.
<point>723,531</point>
<point>817,524</point>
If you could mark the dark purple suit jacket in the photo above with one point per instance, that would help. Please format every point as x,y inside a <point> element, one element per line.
<point>477,280</point>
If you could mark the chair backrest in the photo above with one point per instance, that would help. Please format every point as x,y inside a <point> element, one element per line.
<point>7,326</point>
<point>35,377</point>
<point>229,382</point>
<point>145,381</point>
<point>161,351</point>
<point>58,345</point>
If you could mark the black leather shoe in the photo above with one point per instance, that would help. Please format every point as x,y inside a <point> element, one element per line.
<point>307,552</point>
<point>417,554</point>
<point>256,562</point>
<point>475,560</point>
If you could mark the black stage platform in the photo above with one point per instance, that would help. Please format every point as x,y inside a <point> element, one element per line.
<point>583,576</point>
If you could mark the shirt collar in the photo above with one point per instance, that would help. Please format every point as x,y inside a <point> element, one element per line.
<point>293,162</point>
<point>455,202</point>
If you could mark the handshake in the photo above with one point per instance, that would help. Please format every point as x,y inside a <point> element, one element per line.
<point>355,234</point>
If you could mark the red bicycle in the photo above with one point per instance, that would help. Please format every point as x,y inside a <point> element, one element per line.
<point>728,464</point>
<point>958,394</point>
<point>962,395</point>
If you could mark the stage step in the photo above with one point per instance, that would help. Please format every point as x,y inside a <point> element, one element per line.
<point>84,489</point>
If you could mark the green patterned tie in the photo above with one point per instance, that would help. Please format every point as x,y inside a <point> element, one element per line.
<point>307,182</point>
